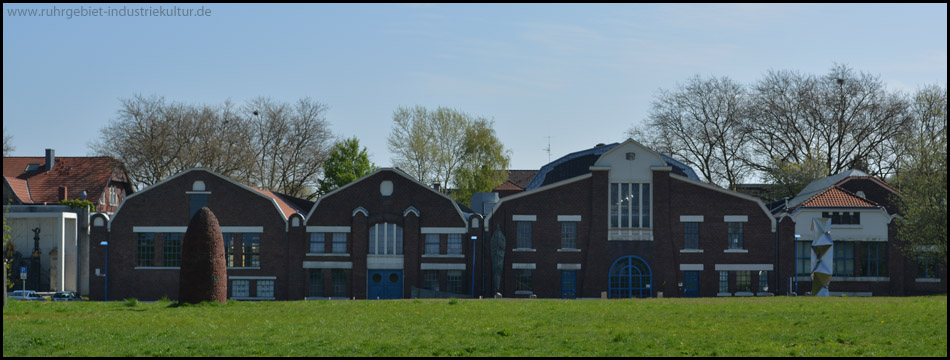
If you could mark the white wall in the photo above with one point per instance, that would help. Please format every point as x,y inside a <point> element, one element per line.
<point>57,230</point>
<point>873,225</point>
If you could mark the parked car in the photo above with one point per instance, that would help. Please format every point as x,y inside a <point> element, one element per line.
<point>66,296</point>
<point>27,295</point>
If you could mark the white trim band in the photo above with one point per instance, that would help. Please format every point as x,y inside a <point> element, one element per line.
<point>444,230</point>
<point>441,266</point>
<point>568,266</point>
<point>691,218</point>
<point>524,218</point>
<point>692,267</point>
<point>521,266</point>
<point>735,218</point>
<point>744,267</point>
<point>327,264</point>
<point>569,218</point>
<point>242,229</point>
<point>328,229</point>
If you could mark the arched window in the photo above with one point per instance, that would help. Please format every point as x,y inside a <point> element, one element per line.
<point>385,239</point>
<point>630,276</point>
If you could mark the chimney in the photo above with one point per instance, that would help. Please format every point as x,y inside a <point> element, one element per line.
<point>63,192</point>
<point>50,159</point>
<point>437,186</point>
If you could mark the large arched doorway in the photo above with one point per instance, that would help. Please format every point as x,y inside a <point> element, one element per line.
<point>630,276</point>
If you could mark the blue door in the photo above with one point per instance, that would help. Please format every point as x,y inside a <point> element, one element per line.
<point>691,284</point>
<point>568,284</point>
<point>385,284</point>
<point>630,277</point>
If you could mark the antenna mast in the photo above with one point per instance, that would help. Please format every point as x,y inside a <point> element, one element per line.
<point>548,149</point>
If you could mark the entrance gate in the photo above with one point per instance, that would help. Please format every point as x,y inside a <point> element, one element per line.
<point>630,276</point>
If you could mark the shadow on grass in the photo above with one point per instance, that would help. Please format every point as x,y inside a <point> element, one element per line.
<point>201,304</point>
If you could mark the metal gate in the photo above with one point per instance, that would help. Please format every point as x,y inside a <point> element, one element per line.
<point>629,277</point>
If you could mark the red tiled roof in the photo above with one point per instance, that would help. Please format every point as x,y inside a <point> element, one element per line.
<point>285,207</point>
<point>91,174</point>
<point>837,197</point>
<point>508,186</point>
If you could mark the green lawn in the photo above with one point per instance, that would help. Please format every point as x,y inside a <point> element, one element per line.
<point>780,326</point>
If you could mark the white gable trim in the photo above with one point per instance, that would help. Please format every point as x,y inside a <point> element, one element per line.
<point>730,193</point>
<point>620,146</point>
<point>532,192</point>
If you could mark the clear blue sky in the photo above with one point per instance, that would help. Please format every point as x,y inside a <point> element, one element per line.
<point>581,74</point>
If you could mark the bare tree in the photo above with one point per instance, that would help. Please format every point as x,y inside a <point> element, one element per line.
<point>702,123</point>
<point>7,143</point>
<point>844,118</point>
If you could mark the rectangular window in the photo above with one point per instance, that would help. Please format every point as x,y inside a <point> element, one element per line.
<point>723,281</point>
<point>113,196</point>
<point>843,218</point>
<point>455,244</point>
<point>735,235</point>
<point>432,244</point>
<point>569,235</point>
<point>240,288</point>
<point>926,267</point>
<point>624,205</point>
<point>645,209</point>
<point>339,283</point>
<point>523,280</point>
<point>265,288</point>
<point>629,205</point>
<point>228,248</point>
<point>453,281</point>
<point>763,281</point>
<point>252,249</point>
<point>385,239</point>
<point>316,282</point>
<point>339,243</point>
<point>614,203</point>
<point>172,249</point>
<point>691,233</point>
<point>843,258</point>
<point>802,257</point>
<point>524,234</point>
<point>743,281</point>
<point>430,279</point>
<point>146,249</point>
<point>318,243</point>
<point>875,259</point>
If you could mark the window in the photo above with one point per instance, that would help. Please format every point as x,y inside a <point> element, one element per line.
<point>146,249</point>
<point>802,257</point>
<point>724,281</point>
<point>385,239</point>
<point>927,266</point>
<point>339,243</point>
<point>569,235</point>
<point>523,280</point>
<point>240,288</point>
<point>524,234</point>
<point>172,253</point>
<point>735,235</point>
<point>763,281</point>
<point>843,218</point>
<point>316,282</point>
<point>432,244</point>
<point>875,259</point>
<point>265,288</point>
<point>113,196</point>
<point>252,249</point>
<point>629,205</point>
<point>691,234</point>
<point>430,279</point>
<point>318,243</point>
<point>455,244</point>
<point>228,252</point>
<point>453,282</point>
<point>743,281</point>
<point>844,258</point>
<point>339,282</point>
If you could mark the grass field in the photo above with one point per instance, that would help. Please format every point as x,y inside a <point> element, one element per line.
<point>780,326</point>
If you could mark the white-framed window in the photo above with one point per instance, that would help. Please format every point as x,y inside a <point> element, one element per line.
<point>385,239</point>
<point>523,280</point>
<point>455,244</point>
<point>630,205</point>
<point>723,281</point>
<point>569,235</point>
<point>265,288</point>
<point>735,235</point>
<point>339,243</point>
<point>691,235</point>
<point>113,196</point>
<point>524,234</point>
<point>453,281</point>
<point>318,243</point>
<point>240,288</point>
<point>432,244</point>
<point>430,279</point>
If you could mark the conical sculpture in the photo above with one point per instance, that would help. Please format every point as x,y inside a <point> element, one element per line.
<point>822,257</point>
<point>203,275</point>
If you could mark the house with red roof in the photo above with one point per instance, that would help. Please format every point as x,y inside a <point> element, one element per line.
<point>867,257</point>
<point>50,179</point>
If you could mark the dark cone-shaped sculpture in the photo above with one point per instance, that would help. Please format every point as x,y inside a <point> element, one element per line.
<point>203,272</point>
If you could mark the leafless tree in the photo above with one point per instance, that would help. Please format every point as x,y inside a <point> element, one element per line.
<point>701,123</point>
<point>7,142</point>
<point>844,118</point>
<point>429,145</point>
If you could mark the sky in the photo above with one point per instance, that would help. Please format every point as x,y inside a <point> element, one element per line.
<point>568,75</point>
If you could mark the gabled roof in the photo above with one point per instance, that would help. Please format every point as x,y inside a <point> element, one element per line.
<point>820,185</point>
<point>836,197</point>
<point>521,178</point>
<point>77,174</point>
<point>508,185</point>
